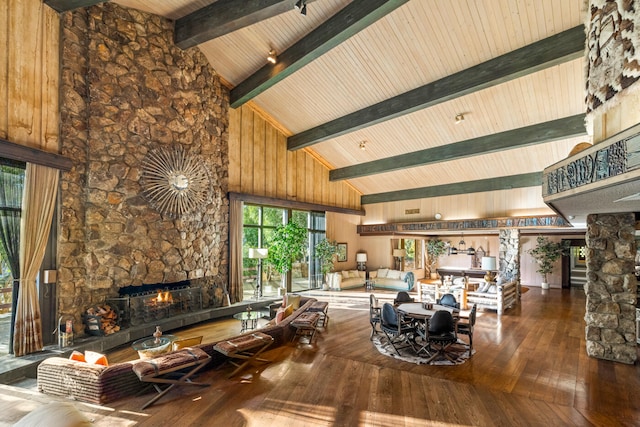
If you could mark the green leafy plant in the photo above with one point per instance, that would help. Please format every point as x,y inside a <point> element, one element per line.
<point>287,244</point>
<point>546,253</point>
<point>435,249</point>
<point>326,252</point>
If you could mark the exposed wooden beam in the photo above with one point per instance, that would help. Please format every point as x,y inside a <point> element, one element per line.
<point>292,204</point>
<point>491,184</point>
<point>353,18</point>
<point>224,17</point>
<point>65,5</point>
<point>567,127</point>
<point>13,151</point>
<point>554,50</point>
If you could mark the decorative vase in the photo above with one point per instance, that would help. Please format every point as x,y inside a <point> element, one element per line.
<point>545,285</point>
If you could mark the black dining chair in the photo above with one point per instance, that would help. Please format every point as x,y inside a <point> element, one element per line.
<point>402,297</point>
<point>374,314</point>
<point>466,328</point>
<point>448,300</point>
<point>399,332</point>
<point>442,333</point>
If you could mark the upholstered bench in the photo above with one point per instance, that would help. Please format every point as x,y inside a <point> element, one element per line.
<point>245,347</point>
<point>158,370</point>
<point>321,307</point>
<point>306,325</point>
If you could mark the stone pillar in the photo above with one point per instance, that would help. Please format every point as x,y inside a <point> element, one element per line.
<point>509,254</point>
<point>611,287</point>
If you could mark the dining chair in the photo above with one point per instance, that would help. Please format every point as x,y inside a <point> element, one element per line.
<point>448,300</point>
<point>466,328</point>
<point>399,332</point>
<point>402,297</point>
<point>442,333</point>
<point>374,314</point>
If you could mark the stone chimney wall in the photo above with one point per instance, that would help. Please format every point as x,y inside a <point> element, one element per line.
<point>611,287</point>
<point>126,90</point>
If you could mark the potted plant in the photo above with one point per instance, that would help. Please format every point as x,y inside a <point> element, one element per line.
<point>546,253</point>
<point>326,252</point>
<point>435,249</point>
<point>287,244</point>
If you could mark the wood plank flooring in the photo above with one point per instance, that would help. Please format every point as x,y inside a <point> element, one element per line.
<point>530,369</point>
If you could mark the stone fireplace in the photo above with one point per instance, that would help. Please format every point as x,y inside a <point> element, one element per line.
<point>127,90</point>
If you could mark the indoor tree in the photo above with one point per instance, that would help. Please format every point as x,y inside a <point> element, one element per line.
<point>287,244</point>
<point>435,249</point>
<point>546,253</point>
<point>326,251</point>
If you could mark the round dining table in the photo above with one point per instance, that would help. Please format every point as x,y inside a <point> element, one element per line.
<point>421,315</point>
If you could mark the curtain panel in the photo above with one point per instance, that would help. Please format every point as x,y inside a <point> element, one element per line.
<point>236,291</point>
<point>38,205</point>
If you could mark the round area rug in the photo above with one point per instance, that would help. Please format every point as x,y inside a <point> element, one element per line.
<point>408,355</point>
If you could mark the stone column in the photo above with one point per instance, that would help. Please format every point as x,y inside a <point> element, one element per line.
<point>611,287</point>
<point>509,255</point>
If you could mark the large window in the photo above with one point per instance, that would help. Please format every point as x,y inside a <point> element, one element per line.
<point>259,223</point>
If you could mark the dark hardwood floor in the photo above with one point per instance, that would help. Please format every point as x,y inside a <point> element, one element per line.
<point>530,369</point>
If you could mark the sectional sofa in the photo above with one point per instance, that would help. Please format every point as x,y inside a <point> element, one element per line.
<point>100,384</point>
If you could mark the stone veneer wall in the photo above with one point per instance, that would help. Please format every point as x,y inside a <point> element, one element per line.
<point>509,259</point>
<point>611,287</point>
<point>126,89</point>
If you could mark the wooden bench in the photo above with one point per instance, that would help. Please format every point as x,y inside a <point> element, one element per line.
<point>321,307</point>
<point>245,347</point>
<point>306,325</point>
<point>163,370</point>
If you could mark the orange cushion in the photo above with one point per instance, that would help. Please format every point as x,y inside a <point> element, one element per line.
<point>95,358</point>
<point>76,355</point>
<point>288,311</point>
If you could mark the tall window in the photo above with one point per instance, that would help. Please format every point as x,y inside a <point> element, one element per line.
<point>259,224</point>
<point>414,258</point>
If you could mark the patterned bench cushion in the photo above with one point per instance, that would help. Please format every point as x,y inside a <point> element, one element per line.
<point>243,343</point>
<point>306,320</point>
<point>168,362</point>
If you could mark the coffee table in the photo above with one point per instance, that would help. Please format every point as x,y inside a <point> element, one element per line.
<point>249,319</point>
<point>151,347</point>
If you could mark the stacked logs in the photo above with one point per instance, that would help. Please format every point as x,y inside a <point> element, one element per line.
<point>102,320</point>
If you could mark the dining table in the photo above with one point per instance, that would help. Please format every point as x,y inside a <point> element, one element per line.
<point>421,315</point>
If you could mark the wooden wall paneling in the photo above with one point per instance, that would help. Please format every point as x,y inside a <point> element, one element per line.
<point>301,182</point>
<point>270,155</point>
<point>259,140</point>
<point>51,82</point>
<point>324,182</point>
<point>282,169</point>
<point>4,78</point>
<point>246,152</point>
<point>23,65</point>
<point>292,174</point>
<point>311,178</point>
<point>235,147</point>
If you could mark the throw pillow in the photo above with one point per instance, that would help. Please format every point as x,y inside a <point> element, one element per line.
<point>353,274</point>
<point>403,275</point>
<point>492,289</point>
<point>77,356</point>
<point>280,315</point>
<point>294,300</point>
<point>362,274</point>
<point>345,274</point>
<point>288,311</point>
<point>95,358</point>
<point>393,274</point>
<point>55,414</point>
<point>382,272</point>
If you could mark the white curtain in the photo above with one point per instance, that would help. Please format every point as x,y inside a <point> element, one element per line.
<point>38,205</point>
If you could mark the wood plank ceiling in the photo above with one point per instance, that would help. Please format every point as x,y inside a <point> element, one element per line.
<point>395,73</point>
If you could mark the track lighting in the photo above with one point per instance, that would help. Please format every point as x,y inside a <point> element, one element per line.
<point>302,6</point>
<point>273,58</point>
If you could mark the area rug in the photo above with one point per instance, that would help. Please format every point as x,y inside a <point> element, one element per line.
<point>407,354</point>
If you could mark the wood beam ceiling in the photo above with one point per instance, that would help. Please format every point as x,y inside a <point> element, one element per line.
<point>491,184</point>
<point>224,17</point>
<point>22,153</point>
<point>554,50</point>
<point>540,133</point>
<point>352,19</point>
<point>65,5</point>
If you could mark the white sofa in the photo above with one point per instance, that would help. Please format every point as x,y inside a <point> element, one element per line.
<point>346,279</point>
<point>396,280</point>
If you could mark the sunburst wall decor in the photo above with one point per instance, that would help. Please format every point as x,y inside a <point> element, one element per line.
<point>174,182</point>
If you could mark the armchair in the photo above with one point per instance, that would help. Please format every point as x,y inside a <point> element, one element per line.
<point>466,328</point>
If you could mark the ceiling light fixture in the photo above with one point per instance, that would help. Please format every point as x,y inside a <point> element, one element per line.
<point>459,118</point>
<point>302,6</point>
<point>273,58</point>
<point>363,145</point>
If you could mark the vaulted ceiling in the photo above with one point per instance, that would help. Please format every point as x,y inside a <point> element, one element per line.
<point>395,74</point>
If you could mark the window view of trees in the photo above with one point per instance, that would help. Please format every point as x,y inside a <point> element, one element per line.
<point>259,225</point>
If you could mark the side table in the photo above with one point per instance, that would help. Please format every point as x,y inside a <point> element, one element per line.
<point>248,319</point>
<point>369,285</point>
<point>151,347</point>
